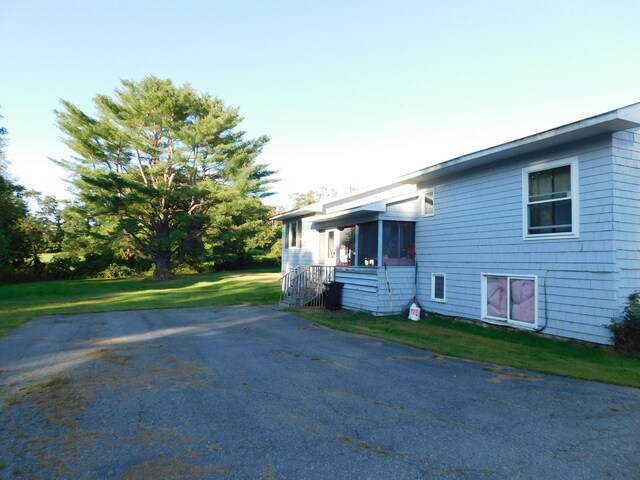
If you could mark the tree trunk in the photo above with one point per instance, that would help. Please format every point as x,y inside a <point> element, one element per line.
<point>162,271</point>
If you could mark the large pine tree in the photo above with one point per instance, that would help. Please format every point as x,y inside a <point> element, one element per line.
<point>157,159</point>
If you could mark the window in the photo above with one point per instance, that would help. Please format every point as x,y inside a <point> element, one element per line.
<point>368,244</point>
<point>359,245</point>
<point>398,243</point>
<point>347,246</point>
<point>427,203</point>
<point>510,298</point>
<point>438,287</point>
<point>550,199</point>
<point>331,245</point>
<point>293,234</point>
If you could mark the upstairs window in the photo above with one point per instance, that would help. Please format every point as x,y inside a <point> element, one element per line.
<point>427,203</point>
<point>551,200</point>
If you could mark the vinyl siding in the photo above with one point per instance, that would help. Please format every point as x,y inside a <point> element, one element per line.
<point>626,212</point>
<point>360,289</point>
<point>307,254</point>
<point>376,290</point>
<point>477,228</point>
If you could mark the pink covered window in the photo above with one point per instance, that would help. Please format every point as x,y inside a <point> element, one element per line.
<point>510,299</point>
<point>523,300</point>
<point>497,297</point>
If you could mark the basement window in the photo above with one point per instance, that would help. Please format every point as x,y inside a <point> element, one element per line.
<point>510,299</point>
<point>438,287</point>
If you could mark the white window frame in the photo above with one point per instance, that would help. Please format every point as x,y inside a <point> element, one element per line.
<point>444,287</point>
<point>432,192</point>
<point>501,321</point>
<point>288,234</point>
<point>574,197</point>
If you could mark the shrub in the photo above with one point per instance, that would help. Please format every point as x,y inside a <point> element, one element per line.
<point>626,330</point>
<point>117,271</point>
<point>63,268</point>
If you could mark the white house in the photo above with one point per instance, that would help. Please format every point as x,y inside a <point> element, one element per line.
<point>541,233</point>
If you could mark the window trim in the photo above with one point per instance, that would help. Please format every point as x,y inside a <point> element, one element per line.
<point>444,287</point>
<point>433,198</point>
<point>575,199</point>
<point>508,321</point>
<point>288,234</point>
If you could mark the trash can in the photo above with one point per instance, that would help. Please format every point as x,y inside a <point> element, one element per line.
<point>333,295</point>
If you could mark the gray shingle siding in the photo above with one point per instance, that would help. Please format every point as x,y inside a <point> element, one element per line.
<point>626,211</point>
<point>477,229</point>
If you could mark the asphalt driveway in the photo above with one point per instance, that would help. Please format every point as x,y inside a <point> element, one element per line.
<point>254,393</point>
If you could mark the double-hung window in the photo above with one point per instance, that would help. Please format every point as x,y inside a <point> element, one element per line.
<point>550,200</point>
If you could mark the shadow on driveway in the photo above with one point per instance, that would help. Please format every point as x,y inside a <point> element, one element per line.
<point>254,393</point>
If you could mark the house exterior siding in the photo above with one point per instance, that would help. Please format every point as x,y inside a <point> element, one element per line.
<point>377,290</point>
<point>478,228</point>
<point>547,226</point>
<point>307,254</point>
<point>625,194</point>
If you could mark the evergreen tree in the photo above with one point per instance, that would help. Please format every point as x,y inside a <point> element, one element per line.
<point>15,223</point>
<point>154,163</point>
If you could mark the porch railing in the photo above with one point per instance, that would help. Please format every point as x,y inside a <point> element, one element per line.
<point>303,286</point>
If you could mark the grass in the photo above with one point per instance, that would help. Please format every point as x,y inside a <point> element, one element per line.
<point>21,302</point>
<point>495,345</point>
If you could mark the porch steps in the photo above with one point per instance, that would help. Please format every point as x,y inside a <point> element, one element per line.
<point>304,286</point>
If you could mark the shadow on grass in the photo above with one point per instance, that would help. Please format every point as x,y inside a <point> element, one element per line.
<point>21,302</point>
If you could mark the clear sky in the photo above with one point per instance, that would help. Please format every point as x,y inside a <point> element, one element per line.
<point>352,93</point>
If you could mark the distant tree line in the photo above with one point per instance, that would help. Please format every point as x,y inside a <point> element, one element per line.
<point>163,181</point>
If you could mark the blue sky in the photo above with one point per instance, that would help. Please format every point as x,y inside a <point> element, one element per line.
<point>352,93</point>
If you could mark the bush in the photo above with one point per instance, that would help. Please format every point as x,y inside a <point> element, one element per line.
<point>266,261</point>
<point>63,268</point>
<point>626,331</point>
<point>117,271</point>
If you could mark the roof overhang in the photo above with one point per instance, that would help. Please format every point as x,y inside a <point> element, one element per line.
<point>617,120</point>
<point>371,208</point>
<point>374,201</point>
<point>312,209</point>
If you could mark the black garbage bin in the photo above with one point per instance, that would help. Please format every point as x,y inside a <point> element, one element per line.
<point>333,295</point>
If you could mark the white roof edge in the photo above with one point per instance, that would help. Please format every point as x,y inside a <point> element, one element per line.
<point>307,210</point>
<point>615,120</point>
<point>377,207</point>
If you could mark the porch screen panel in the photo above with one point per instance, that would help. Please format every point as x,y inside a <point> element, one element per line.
<point>368,244</point>
<point>348,246</point>
<point>331,245</point>
<point>398,243</point>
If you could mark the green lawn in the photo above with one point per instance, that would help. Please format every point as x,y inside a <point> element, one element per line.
<point>21,302</point>
<point>497,345</point>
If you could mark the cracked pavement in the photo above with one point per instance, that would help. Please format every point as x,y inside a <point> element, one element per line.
<point>255,393</point>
